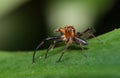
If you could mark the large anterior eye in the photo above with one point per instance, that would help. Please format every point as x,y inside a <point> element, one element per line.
<point>58,29</point>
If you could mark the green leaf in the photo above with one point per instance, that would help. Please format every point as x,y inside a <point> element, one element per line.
<point>102,61</point>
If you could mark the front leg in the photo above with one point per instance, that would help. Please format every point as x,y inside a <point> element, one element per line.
<point>46,39</point>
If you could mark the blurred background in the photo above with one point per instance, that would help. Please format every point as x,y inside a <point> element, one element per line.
<point>24,23</point>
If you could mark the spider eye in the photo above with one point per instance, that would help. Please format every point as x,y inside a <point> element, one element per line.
<point>59,29</point>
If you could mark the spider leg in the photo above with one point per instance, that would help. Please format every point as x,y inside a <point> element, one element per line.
<point>89,32</point>
<point>52,46</point>
<point>33,59</point>
<point>66,47</point>
<point>81,47</point>
<point>79,34</point>
<point>85,32</point>
<point>92,35</point>
<point>48,38</point>
<point>81,42</point>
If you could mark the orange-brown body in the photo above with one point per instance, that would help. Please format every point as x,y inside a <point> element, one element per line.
<point>67,32</point>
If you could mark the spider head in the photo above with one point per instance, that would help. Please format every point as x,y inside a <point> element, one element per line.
<point>66,30</point>
<point>70,29</point>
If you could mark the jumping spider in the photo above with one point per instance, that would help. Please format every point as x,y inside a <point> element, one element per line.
<point>69,36</point>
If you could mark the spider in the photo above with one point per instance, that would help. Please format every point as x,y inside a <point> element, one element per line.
<point>69,36</point>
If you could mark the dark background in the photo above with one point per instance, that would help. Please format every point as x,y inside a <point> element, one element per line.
<point>110,20</point>
<point>26,37</point>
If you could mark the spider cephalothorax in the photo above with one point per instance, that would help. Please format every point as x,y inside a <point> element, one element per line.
<point>67,35</point>
<point>67,32</point>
